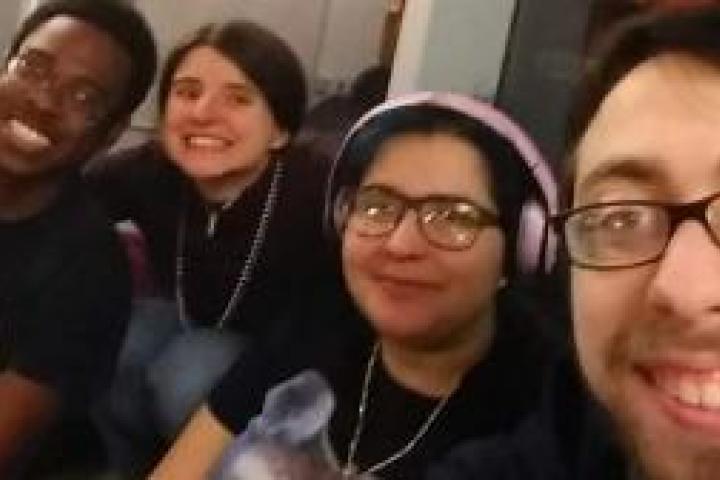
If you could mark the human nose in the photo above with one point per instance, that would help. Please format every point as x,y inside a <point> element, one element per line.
<point>686,283</point>
<point>406,239</point>
<point>44,95</point>
<point>203,108</point>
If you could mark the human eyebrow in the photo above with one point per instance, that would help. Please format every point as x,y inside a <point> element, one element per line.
<point>242,89</point>
<point>185,86</point>
<point>639,170</point>
<point>79,79</point>
<point>430,197</point>
<point>36,55</point>
<point>185,81</point>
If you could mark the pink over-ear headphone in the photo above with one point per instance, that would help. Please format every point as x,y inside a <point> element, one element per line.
<point>536,248</point>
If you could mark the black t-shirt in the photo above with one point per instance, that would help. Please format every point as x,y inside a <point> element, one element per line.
<point>142,185</point>
<point>493,397</point>
<point>65,297</point>
<point>569,437</point>
<point>64,304</point>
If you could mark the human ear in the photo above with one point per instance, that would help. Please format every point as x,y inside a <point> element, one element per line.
<point>280,140</point>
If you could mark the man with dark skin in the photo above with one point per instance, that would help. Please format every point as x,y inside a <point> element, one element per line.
<point>75,71</point>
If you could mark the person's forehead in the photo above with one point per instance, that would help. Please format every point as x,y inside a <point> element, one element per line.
<point>208,65</point>
<point>81,49</point>
<point>657,127</point>
<point>419,144</point>
<point>422,163</point>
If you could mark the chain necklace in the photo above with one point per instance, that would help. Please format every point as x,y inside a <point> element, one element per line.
<point>349,469</point>
<point>247,268</point>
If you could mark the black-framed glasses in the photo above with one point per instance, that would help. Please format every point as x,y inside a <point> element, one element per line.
<point>446,221</point>
<point>79,98</point>
<point>623,234</point>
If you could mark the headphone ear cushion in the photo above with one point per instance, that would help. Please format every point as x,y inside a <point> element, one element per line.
<point>531,239</point>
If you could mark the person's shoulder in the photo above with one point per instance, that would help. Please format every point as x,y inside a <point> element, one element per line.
<point>138,155</point>
<point>531,452</point>
<point>301,196</point>
<point>136,183</point>
<point>139,166</point>
<point>534,329</point>
<point>79,240</point>
<point>537,449</point>
<point>79,218</point>
<point>241,392</point>
<point>496,458</point>
<point>302,160</point>
<point>71,240</point>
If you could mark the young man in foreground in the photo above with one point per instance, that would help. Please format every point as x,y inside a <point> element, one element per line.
<point>643,237</point>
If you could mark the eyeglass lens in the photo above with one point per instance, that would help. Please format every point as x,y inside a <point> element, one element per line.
<point>77,96</point>
<point>446,222</point>
<point>624,234</point>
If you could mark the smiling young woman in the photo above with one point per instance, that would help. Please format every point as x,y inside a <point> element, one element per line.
<point>231,211</point>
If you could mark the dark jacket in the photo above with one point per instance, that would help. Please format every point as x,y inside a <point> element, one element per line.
<point>569,438</point>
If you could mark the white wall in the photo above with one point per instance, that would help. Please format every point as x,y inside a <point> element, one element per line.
<point>301,27</point>
<point>335,39</point>
<point>171,20</point>
<point>456,45</point>
<point>9,14</point>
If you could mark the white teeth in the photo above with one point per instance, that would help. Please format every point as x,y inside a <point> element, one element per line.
<point>711,396</point>
<point>690,392</point>
<point>28,137</point>
<point>693,391</point>
<point>206,142</point>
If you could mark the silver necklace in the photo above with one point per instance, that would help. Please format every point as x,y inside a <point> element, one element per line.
<point>349,468</point>
<point>214,215</point>
<point>248,265</point>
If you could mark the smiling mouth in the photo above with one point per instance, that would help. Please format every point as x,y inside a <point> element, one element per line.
<point>206,142</point>
<point>26,137</point>
<point>405,284</point>
<point>699,390</point>
<point>688,398</point>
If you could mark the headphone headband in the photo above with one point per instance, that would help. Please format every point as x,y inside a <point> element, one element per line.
<point>484,113</point>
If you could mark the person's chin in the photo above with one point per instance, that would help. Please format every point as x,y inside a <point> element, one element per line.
<point>397,322</point>
<point>200,168</point>
<point>22,165</point>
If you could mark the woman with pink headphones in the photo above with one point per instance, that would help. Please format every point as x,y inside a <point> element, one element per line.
<point>436,206</point>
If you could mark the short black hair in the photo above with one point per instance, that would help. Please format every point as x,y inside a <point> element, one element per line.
<point>263,56</point>
<point>370,86</point>
<point>118,19</point>
<point>511,182</point>
<point>638,38</point>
